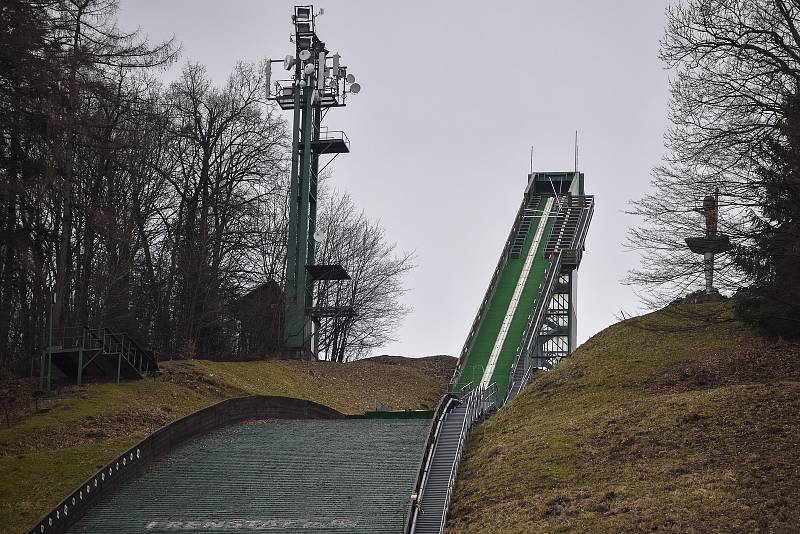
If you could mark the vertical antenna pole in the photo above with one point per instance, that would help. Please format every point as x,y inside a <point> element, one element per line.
<point>531,159</point>
<point>576,150</point>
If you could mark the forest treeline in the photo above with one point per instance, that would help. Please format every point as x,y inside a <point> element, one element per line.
<point>152,208</point>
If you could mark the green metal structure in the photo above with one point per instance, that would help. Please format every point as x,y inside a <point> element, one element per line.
<point>527,318</point>
<point>319,83</point>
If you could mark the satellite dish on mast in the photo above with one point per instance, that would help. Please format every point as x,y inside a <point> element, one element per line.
<point>309,69</point>
<point>355,88</point>
<point>304,55</point>
<point>319,236</point>
<point>288,62</point>
<point>350,78</point>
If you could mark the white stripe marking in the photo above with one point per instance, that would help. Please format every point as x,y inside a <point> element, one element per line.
<point>512,307</point>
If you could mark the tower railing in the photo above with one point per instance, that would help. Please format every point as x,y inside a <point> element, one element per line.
<point>534,326</point>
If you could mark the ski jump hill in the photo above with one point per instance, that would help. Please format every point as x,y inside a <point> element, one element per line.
<point>292,465</point>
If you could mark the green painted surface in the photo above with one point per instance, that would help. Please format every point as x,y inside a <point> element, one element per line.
<point>396,414</point>
<point>484,341</point>
<point>349,476</point>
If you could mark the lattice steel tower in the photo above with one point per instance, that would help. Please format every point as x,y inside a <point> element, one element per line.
<point>319,82</point>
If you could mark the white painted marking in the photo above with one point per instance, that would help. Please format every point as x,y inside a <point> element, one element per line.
<point>512,307</point>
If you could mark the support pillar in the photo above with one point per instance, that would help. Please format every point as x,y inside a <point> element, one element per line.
<point>708,260</point>
<point>49,367</point>
<point>80,365</point>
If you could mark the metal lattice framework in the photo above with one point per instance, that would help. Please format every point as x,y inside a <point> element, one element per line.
<point>319,82</point>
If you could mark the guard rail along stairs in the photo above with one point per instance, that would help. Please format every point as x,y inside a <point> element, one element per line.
<point>526,363</point>
<point>82,351</point>
<point>433,490</point>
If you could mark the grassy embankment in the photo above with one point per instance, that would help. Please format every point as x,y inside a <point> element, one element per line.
<point>79,429</point>
<point>683,420</point>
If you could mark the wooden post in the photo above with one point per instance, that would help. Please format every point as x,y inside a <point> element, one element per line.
<point>80,365</point>
<point>49,367</point>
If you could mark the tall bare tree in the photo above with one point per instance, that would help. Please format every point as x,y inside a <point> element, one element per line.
<point>736,74</point>
<point>227,155</point>
<point>377,271</point>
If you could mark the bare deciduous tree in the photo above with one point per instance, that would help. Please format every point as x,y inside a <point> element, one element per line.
<point>736,72</point>
<point>377,284</point>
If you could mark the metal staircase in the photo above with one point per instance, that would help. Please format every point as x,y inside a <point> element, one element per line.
<point>434,489</point>
<point>83,351</point>
<point>570,227</point>
<point>525,221</point>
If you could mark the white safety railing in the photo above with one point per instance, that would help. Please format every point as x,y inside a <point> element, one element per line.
<point>534,326</point>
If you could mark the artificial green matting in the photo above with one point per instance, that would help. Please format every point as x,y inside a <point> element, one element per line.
<point>349,476</point>
<point>489,329</point>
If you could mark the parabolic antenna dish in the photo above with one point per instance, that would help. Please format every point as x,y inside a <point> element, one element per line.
<point>319,236</point>
<point>309,68</point>
<point>305,55</point>
<point>355,88</point>
<point>350,78</point>
<point>288,62</point>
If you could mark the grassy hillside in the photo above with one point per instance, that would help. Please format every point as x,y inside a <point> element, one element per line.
<point>78,429</point>
<point>683,420</point>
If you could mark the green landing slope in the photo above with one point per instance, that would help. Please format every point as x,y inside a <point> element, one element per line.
<point>350,476</point>
<point>480,352</point>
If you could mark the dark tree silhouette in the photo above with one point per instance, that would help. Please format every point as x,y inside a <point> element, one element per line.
<point>736,74</point>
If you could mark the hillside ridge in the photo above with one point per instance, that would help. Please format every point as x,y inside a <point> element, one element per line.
<point>682,420</point>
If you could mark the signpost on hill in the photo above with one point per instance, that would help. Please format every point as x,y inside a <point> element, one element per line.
<point>319,82</point>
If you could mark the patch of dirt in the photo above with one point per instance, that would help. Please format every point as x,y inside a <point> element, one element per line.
<point>198,380</point>
<point>21,398</point>
<point>440,367</point>
<point>758,362</point>
<point>699,297</point>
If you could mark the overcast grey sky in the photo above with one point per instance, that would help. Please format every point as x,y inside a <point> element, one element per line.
<point>454,94</point>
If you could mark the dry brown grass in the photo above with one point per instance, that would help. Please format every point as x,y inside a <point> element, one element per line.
<point>681,421</point>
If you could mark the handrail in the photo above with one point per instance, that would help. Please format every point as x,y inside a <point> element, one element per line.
<point>587,211</point>
<point>488,295</point>
<point>333,135</point>
<point>526,378</point>
<point>474,410</point>
<point>447,403</point>
<point>109,343</point>
<point>477,402</point>
<point>490,395</point>
<point>535,320</point>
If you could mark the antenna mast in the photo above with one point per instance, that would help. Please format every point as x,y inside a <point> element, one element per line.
<point>318,82</point>
<point>576,150</point>
<point>531,159</point>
